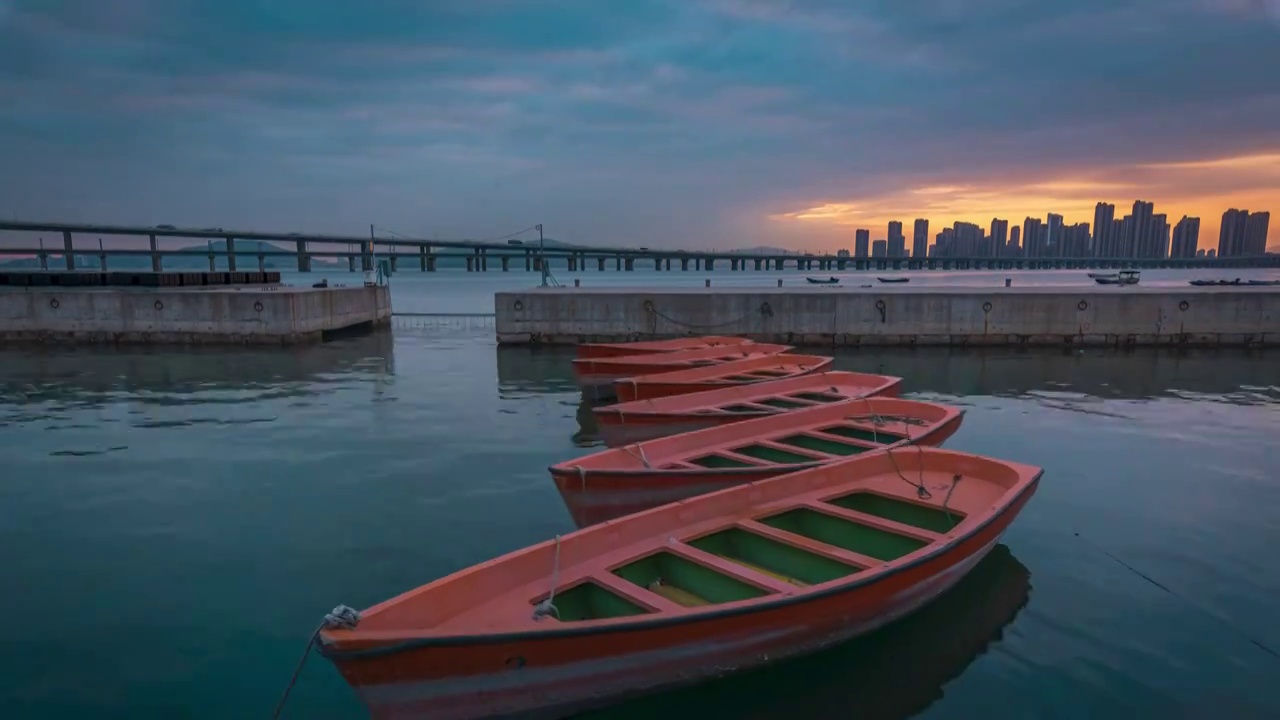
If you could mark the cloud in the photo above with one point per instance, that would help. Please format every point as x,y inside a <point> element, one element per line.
<point>650,122</point>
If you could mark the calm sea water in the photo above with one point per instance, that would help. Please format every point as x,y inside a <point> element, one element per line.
<point>175,522</point>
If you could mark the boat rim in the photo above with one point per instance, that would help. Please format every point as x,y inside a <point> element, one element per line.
<point>663,620</point>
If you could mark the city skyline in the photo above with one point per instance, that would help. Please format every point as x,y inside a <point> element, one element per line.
<point>691,124</point>
<point>1142,233</point>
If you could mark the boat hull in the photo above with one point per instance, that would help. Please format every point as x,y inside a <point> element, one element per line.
<point>599,495</point>
<point>652,387</point>
<point>555,675</point>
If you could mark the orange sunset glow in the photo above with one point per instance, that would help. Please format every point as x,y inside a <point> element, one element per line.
<point>1201,188</point>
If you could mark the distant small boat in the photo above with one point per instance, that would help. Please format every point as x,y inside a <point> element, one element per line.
<point>1262,282</point>
<point>1104,276</point>
<point>894,280</point>
<point>594,372</point>
<point>648,347</point>
<point>820,281</point>
<point>1202,283</point>
<point>643,420</point>
<point>684,593</point>
<point>1126,277</point>
<point>748,371</point>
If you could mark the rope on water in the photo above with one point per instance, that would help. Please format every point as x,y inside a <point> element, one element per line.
<point>1240,631</point>
<point>548,606</point>
<point>341,617</point>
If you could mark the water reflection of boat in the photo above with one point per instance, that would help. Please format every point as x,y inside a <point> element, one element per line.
<point>1263,282</point>
<point>1095,276</point>
<point>895,672</point>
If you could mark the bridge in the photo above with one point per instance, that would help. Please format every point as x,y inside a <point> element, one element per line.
<point>482,256</point>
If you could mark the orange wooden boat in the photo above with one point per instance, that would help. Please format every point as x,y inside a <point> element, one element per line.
<point>681,593</point>
<point>594,372</point>
<point>642,420</point>
<point>644,347</point>
<point>618,481</point>
<point>745,371</point>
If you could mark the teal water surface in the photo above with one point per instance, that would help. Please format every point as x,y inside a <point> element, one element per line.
<point>175,522</point>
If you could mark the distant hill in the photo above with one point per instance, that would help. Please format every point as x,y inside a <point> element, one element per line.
<point>246,257</point>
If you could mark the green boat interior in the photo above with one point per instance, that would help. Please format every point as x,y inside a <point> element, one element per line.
<point>795,448</point>
<point>817,542</point>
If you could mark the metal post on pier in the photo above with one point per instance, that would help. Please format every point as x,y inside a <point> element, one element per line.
<point>542,254</point>
<point>156,263</point>
<point>68,251</point>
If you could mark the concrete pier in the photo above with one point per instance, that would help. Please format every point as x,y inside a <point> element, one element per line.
<point>209,315</point>
<point>1103,315</point>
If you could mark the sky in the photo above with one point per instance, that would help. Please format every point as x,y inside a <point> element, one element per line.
<point>693,124</point>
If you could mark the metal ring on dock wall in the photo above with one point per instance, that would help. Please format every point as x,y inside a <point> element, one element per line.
<point>766,309</point>
<point>53,303</point>
<point>648,306</point>
<point>519,305</point>
<point>881,307</point>
<point>1083,305</point>
<point>986,307</point>
<point>159,305</point>
<point>258,306</point>
<point>1184,305</point>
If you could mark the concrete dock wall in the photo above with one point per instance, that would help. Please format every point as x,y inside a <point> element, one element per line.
<point>1235,316</point>
<point>265,315</point>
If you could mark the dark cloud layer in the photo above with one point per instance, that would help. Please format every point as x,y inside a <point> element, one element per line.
<point>663,122</point>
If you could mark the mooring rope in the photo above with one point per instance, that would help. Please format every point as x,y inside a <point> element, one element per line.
<point>548,606</point>
<point>341,616</point>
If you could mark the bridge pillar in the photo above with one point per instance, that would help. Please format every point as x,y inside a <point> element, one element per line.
<point>231,253</point>
<point>422,258</point>
<point>506,263</point>
<point>630,264</point>
<point>758,261</point>
<point>351,263</point>
<point>684,264</point>
<point>733,263</point>
<point>573,262</point>
<point>528,261</point>
<point>600,264</point>
<point>471,263</point>
<point>657,263</point>
<point>431,263</point>
<point>710,263</point>
<point>483,261</point>
<point>617,263</point>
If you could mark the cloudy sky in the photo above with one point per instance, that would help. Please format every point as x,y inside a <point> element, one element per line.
<point>669,123</point>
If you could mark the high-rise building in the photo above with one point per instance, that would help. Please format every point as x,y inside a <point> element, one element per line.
<point>1124,237</point>
<point>1158,244</point>
<point>1186,238</point>
<point>944,243</point>
<point>879,248</point>
<point>1231,234</point>
<point>897,246</point>
<point>1140,235</point>
<point>1015,242</point>
<point>1055,246</point>
<point>999,236</point>
<point>920,239</point>
<point>967,239</point>
<point>1255,234</point>
<point>1103,214</point>
<point>1031,237</point>
<point>862,243</point>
